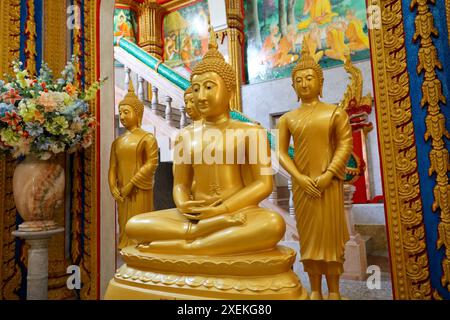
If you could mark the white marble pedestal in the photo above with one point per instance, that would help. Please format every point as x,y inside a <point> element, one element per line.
<point>355,265</point>
<point>37,278</point>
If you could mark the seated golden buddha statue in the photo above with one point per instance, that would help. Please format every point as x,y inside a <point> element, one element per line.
<point>217,243</point>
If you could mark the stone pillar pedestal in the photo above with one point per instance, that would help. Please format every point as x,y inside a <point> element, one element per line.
<point>37,278</point>
<point>355,265</point>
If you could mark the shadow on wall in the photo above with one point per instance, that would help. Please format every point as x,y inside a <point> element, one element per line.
<point>162,191</point>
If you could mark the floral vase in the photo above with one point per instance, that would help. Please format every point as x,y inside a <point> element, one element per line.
<point>38,187</point>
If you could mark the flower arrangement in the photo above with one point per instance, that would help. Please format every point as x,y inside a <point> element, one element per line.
<point>41,116</point>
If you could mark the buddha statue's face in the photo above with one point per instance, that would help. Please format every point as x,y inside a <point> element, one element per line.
<point>128,116</point>
<point>306,84</point>
<point>190,107</point>
<point>211,96</point>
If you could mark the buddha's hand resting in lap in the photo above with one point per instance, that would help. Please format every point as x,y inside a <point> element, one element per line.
<point>189,205</point>
<point>204,212</point>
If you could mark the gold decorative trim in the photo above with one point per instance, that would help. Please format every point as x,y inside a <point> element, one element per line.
<point>89,265</point>
<point>55,55</point>
<point>435,124</point>
<point>280,260</point>
<point>236,38</point>
<point>150,16</point>
<point>55,42</point>
<point>30,42</point>
<point>273,283</point>
<point>410,266</point>
<point>77,45</point>
<point>84,251</point>
<point>10,273</point>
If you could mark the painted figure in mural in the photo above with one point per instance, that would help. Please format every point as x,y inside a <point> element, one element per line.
<point>323,143</point>
<point>335,42</point>
<point>124,28</point>
<point>358,40</point>
<point>285,53</point>
<point>171,46</point>
<point>186,51</point>
<point>319,11</point>
<point>191,109</point>
<point>220,215</point>
<point>133,162</point>
<point>270,45</point>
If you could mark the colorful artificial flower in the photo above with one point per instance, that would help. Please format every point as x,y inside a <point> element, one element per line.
<point>27,110</point>
<point>11,96</point>
<point>49,101</point>
<point>11,118</point>
<point>22,148</point>
<point>87,141</point>
<point>34,129</point>
<point>71,89</point>
<point>4,107</point>
<point>39,117</point>
<point>57,147</point>
<point>56,125</point>
<point>9,136</point>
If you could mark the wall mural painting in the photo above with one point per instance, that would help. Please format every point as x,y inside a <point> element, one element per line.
<point>186,37</point>
<point>276,29</point>
<point>125,24</point>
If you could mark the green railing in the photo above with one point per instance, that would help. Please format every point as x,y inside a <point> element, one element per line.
<point>183,83</point>
<point>154,64</point>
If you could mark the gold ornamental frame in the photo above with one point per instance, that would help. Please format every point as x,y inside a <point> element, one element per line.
<point>410,269</point>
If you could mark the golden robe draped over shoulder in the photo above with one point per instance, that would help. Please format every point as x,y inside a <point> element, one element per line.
<point>322,141</point>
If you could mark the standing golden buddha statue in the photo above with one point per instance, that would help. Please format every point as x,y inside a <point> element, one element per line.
<point>133,162</point>
<point>323,143</point>
<point>191,109</point>
<point>217,243</point>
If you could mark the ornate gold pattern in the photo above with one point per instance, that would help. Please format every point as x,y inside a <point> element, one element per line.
<point>77,35</point>
<point>91,158</point>
<point>10,273</point>
<point>30,43</point>
<point>84,201</point>
<point>55,56</point>
<point>435,124</point>
<point>399,155</point>
<point>357,106</point>
<point>260,275</point>
<point>55,44</point>
<point>9,33</point>
<point>275,283</point>
<point>150,26</point>
<point>281,259</point>
<point>236,38</point>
